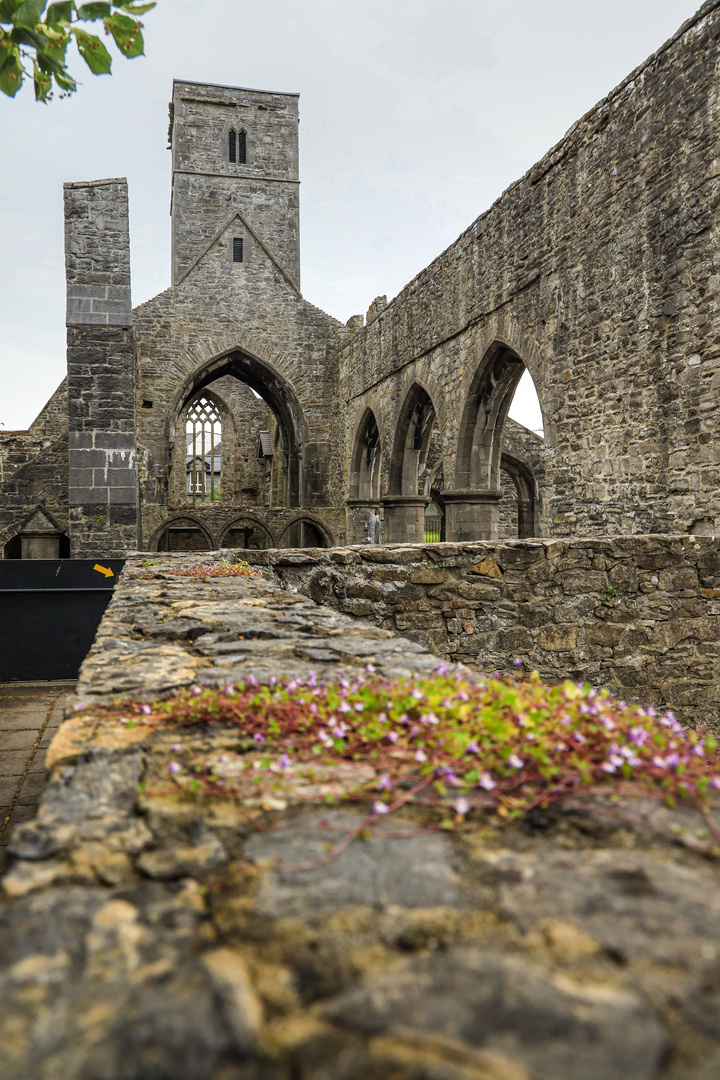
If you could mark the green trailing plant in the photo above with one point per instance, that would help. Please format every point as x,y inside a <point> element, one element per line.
<point>35,35</point>
<point>453,748</point>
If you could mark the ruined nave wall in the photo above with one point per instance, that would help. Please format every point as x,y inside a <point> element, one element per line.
<point>600,268</point>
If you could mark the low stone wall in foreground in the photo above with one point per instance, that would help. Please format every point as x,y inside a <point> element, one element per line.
<point>637,614</point>
<point>148,936</point>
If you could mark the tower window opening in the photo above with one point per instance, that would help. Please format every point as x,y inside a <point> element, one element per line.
<point>241,148</point>
<point>232,148</point>
<point>238,249</point>
<point>203,459</point>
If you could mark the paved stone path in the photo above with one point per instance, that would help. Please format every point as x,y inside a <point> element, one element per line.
<point>29,716</point>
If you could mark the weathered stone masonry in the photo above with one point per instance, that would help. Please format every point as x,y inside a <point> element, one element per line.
<point>103,491</point>
<point>599,272</point>
<point>640,614</point>
<point>145,937</point>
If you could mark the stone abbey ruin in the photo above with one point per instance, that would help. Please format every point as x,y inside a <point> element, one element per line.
<point>230,412</point>
<point>195,899</point>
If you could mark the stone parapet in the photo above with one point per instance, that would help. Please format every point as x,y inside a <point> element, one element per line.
<point>637,614</point>
<point>158,935</point>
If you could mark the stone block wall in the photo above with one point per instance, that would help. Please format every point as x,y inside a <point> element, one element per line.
<point>148,932</point>
<point>600,271</point>
<point>103,487</point>
<point>640,615</point>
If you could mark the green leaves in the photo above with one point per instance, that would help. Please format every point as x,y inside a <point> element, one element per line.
<point>62,12</point>
<point>93,51</point>
<point>126,33</point>
<point>34,41</point>
<point>28,13</point>
<point>11,73</point>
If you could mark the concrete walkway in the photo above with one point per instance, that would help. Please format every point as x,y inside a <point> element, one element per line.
<point>29,717</point>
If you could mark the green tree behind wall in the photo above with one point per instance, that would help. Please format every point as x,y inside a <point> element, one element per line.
<point>34,39</point>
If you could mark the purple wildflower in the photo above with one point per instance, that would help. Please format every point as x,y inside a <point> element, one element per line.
<point>174,767</point>
<point>486,781</point>
<point>384,783</point>
<point>461,806</point>
<point>380,808</point>
<point>258,737</point>
<point>515,762</point>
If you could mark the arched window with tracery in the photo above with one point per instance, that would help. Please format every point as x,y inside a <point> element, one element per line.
<point>203,463</point>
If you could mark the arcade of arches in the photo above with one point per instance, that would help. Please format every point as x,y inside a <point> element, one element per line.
<point>238,446</point>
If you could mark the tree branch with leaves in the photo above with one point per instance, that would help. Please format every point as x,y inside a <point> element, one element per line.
<point>34,41</point>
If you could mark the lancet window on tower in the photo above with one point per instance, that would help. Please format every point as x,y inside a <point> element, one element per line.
<point>237,147</point>
<point>204,450</point>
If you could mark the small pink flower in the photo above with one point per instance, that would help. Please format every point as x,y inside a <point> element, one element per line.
<point>461,806</point>
<point>392,736</point>
<point>174,767</point>
<point>258,737</point>
<point>515,762</point>
<point>145,709</point>
<point>196,690</point>
<point>384,783</point>
<point>418,694</point>
<point>380,808</point>
<point>359,706</point>
<point>420,755</point>
<point>486,781</point>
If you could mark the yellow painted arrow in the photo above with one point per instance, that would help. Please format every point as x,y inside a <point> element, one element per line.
<point>103,570</point>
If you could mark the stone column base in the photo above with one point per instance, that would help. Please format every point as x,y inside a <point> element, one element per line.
<point>404,519</point>
<point>471,515</point>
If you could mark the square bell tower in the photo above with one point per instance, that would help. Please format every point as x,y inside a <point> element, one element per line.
<point>234,150</point>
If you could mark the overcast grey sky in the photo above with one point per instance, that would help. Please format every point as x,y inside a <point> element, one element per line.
<point>415,116</point>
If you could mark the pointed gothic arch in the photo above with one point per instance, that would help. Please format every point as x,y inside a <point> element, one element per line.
<point>481,427</point>
<point>365,460</point>
<point>278,395</point>
<point>415,428</point>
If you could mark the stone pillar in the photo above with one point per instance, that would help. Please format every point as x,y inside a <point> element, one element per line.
<point>404,519</point>
<point>103,486</point>
<point>471,515</point>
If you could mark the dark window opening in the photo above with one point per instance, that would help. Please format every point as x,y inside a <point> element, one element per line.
<point>237,249</point>
<point>147,404</point>
<point>241,148</point>
<point>233,147</point>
